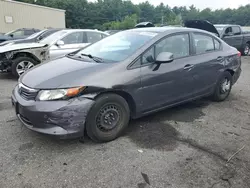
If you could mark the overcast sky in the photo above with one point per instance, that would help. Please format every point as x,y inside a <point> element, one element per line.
<point>201,4</point>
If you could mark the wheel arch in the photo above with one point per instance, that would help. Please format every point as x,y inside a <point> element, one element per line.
<point>26,54</point>
<point>129,99</point>
<point>230,71</point>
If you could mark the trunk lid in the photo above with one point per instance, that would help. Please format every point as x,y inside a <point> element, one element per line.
<point>203,25</point>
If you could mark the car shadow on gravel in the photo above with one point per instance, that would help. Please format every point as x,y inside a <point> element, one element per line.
<point>153,132</point>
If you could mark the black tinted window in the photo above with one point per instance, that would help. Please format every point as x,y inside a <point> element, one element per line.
<point>236,30</point>
<point>93,37</point>
<point>203,43</point>
<point>73,38</point>
<point>177,44</point>
<point>228,30</point>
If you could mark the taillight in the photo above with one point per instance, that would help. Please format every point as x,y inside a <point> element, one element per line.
<point>239,54</point>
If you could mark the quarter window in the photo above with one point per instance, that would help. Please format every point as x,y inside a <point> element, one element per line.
<point>177,44</point>
<point>203,43</point>
<point>216,44</point>
<point>148,56</point>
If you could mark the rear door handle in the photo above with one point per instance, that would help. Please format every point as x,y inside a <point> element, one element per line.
<point>188,66</point>
<point>219,58</point>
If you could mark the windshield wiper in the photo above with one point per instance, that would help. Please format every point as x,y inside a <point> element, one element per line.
<point>96,59</point>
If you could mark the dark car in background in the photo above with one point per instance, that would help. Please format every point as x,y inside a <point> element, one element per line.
<point>125,76</point>
<point>18,34</point>
<point>36,37</point>
<point>231,34</point>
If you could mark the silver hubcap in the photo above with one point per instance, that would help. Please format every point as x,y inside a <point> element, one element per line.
<point>246,51</point>
<point>225,87</point>
<point>23,66</point>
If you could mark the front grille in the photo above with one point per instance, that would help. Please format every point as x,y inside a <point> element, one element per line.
<point>27,93</point>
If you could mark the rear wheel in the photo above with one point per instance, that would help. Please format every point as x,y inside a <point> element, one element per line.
<point>21,64</point>
<point>108,118</point>
<point>246,50</point>
<point>223,87</point>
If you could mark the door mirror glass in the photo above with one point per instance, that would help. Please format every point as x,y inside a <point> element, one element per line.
<point>165,57</point>
<point>60,43</point>
<point>39,38</point>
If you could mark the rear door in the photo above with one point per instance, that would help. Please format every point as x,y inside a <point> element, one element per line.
<point>72,42</point>
<point>207,60</point>
<point>170,82</point>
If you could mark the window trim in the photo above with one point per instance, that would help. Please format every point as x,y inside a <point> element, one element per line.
<point>130,66</point>
<point>205,34</point>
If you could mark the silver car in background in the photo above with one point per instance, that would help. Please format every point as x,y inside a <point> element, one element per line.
<point>19,58</point>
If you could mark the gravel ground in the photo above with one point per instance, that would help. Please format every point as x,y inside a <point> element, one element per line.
<point>182,147</point>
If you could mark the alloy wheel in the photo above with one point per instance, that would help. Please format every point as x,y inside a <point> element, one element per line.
<point>23,66</point>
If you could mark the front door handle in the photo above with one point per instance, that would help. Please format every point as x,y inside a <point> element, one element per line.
<point>219,58</point>
<point>188,66</point>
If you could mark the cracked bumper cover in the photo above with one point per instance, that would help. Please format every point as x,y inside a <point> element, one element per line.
<point>63,119</point>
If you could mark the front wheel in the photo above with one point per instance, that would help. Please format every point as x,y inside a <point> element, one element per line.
<point>21,65</point>
<point>108,118</point>
<point>223,87</point>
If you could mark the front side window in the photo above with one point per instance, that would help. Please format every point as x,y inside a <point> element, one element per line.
<point>18,33</point>
<point>229,30</point>
<point>203,43</point>
<point>178,45</point>
<point>73,38</point>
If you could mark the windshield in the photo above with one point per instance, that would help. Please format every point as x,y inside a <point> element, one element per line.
<point>35,35</point>
<point>119,46</point>
<point>52,38</point>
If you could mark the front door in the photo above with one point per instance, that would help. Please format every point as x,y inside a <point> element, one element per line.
<point>71,43</point>
<point>168,83</point>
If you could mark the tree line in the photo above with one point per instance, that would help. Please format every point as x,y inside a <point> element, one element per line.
<point>119,14</point>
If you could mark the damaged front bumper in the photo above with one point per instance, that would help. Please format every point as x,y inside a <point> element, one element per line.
<point>63,119</point>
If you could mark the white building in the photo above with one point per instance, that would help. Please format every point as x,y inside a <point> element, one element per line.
<point>15,15</point>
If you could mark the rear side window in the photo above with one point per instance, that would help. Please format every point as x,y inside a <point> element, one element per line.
<point>74,38</point>
<point>203,43</point>
<point>94,37</point>
<point>28,32</point>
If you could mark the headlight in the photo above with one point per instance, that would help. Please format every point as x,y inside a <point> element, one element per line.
<point>48,95</point>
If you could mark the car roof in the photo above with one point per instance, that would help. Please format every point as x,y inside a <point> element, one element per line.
<point>91,30</point>
<point>224,25</point>
<point>168,29</point>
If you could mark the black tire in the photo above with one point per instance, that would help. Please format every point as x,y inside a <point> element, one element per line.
<point>97,126</point>
<point>19,60</point>
<point>221,94</point>
<point>246,50</point>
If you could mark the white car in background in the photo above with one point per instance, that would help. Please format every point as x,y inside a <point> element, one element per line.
<point>19,58</point>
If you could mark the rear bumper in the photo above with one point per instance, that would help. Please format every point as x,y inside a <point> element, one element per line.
<point>236,75</point>
<point>62,119</point>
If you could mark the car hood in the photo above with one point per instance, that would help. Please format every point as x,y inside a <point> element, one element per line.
<point>20,47</point>
<point>65,73</point>
<point>201,24</point>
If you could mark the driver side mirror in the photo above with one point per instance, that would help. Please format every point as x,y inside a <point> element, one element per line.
<point>60,43</point>
<point>39,38</point>
<point>165,57</point>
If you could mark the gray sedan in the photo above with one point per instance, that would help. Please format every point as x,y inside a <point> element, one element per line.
<point>125,76</point>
